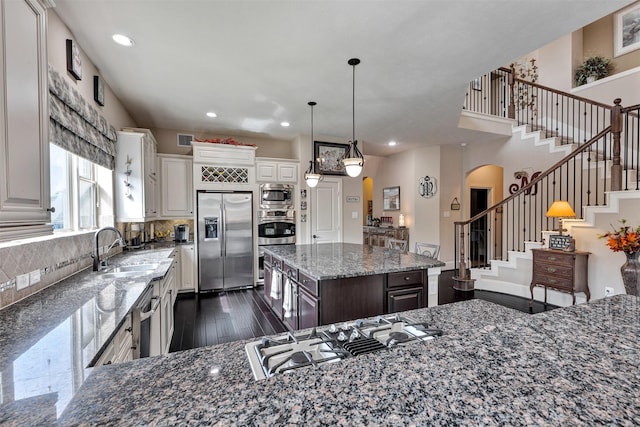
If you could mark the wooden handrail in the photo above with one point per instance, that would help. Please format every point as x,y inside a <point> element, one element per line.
<point>568,95</point>
<point>535,181</point>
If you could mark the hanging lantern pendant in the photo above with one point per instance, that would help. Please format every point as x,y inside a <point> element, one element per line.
<point>310,176</point>
<point>354,161</point>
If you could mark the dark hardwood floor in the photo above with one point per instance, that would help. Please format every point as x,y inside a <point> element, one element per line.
<point>207,319</point>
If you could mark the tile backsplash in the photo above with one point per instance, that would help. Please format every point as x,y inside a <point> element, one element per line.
<point>55,257</point>
<point>59,256</point>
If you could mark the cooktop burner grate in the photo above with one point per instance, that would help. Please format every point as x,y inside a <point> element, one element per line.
<point>363,345</point>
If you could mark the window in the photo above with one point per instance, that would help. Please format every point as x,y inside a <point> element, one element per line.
<point>74,190</point>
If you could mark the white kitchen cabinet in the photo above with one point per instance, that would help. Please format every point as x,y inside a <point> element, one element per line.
<point>276,171</point>
<point>136,177</point>
<point>176,184</point>
<point>24,120</point>
<point>167,291</point>
<point>188,268</point>
<point>120,348</point>
<point>223,167</point>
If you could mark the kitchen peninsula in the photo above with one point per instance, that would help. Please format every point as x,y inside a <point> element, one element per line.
<point>323,283</point>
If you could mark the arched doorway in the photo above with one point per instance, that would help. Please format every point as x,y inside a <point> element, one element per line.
<point>367,200</point>
<point>484,188</point>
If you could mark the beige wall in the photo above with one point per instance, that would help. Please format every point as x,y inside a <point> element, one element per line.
<point>57,34</point>
<point>598,41</point>
<point>451,176</point>
<point>168,143</point>
<point>404,170</point>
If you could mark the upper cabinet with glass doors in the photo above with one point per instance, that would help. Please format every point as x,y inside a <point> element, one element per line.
<point>24,147</point>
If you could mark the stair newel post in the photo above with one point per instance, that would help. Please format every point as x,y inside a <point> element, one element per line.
<point>616,130</point>
<point>512,93</point>
<point>462,282</point>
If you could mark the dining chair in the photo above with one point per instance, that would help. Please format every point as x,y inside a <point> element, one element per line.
<point>428,249</point>
<point>401,245</point>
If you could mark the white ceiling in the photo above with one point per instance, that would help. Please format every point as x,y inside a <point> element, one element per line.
<point>257,63</point>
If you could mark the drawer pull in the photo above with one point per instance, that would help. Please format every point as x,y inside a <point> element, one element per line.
<point>551,270</point>
<point>552,281</point>
<point>552,258</point>
<point>407,278</point>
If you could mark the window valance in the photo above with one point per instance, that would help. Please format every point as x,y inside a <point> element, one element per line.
<point>76,126</point>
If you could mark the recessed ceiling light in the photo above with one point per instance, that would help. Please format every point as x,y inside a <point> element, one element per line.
<point>211,114</point>
<point>285,124</point>
<point>123,40</point>
<point>391,143</point>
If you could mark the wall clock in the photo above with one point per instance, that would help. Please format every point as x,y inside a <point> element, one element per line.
<point>427,186</point>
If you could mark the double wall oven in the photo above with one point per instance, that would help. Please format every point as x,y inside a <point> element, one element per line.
<point>276,219</point>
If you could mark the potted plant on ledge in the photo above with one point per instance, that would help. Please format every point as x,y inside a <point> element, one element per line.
<point>592,69</point>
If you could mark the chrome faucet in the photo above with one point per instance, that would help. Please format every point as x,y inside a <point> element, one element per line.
<point>96,253</point>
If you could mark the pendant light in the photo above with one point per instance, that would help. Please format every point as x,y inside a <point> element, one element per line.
<point>355,160</point>
<point>310,176</point>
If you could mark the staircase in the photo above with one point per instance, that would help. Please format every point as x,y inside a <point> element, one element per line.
<point>598,176</point>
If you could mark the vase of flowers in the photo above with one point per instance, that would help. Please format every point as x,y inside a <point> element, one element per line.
<point>626,239</point>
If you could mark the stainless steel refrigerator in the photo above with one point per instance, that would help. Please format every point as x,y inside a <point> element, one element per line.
<point>225,240</point>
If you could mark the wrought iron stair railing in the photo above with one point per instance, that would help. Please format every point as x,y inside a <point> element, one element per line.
<point>606,157</point>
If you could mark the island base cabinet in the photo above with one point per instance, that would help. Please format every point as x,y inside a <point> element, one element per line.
<point>307,309</point>
<point>267,282</point>
<point>352,298</point>
<point>291,321</point>
<point>406,290</point>
<point>404,299</point>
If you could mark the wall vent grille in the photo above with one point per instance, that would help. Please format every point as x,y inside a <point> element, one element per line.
<point>184,140</point>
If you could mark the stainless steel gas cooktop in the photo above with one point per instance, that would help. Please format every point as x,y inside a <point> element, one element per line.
<point>271,356</point>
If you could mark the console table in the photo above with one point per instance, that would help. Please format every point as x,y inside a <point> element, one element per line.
<point>560,270</point>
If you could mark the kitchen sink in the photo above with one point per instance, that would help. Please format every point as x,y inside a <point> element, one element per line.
<point>125,271</point>
<point>134,268</point>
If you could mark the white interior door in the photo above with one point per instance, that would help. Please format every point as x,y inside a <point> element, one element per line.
<point>326,217</point>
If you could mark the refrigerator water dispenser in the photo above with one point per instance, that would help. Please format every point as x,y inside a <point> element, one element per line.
<point>211,228</point>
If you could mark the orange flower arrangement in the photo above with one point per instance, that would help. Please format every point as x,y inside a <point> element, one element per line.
<point>624,239</point>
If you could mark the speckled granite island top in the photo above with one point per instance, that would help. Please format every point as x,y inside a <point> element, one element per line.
<point>324,261</point>
<point>571,366</point>
<point>48,339</point>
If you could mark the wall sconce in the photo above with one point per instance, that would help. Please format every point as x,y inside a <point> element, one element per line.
<point>455,204</point>
<point>401,220</point>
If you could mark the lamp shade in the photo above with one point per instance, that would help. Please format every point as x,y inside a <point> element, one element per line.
<point>561,209</point>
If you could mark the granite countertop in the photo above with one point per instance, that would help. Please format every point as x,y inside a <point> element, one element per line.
<point>495,366</point>
<point>48,339</point>
<point>324,261</point>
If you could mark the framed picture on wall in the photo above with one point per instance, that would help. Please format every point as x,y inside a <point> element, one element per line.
<point>626,30</point>
<point>391,199</point>
<point>98,90</point>
<point>74,62</point>
<point>329,157</point>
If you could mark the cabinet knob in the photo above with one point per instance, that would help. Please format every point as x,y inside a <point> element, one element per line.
<point>51,209</point>
<point>129,329</point>
<point>407,278</point>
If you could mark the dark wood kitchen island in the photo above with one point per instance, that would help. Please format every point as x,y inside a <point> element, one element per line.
<point>319,284</point>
